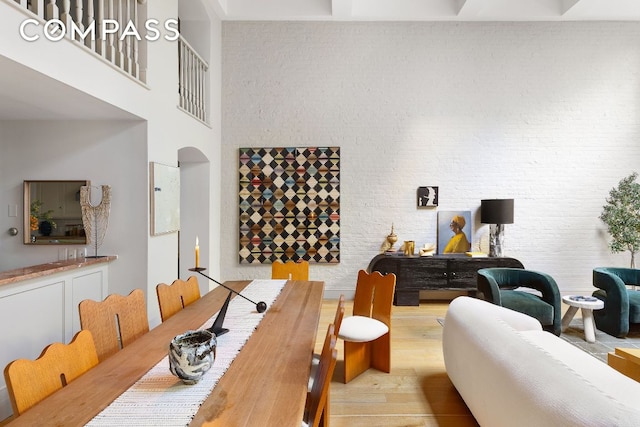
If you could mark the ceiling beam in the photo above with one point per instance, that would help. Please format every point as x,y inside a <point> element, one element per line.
<point>220,7</point>
<point>469,7</point>
<point>428,10</point>
<point>624,10</point>
<point>342,9</point>
<point>566,5</point>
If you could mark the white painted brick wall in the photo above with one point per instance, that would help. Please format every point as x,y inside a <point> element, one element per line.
<point>545,113</point>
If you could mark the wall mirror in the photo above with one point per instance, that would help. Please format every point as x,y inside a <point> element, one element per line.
<point>52,213</point>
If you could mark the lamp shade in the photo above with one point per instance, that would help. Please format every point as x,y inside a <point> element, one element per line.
<point>496,211</point>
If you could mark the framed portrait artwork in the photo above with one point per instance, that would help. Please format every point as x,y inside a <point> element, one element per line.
<point>454,232</point>
<point>427,197</point>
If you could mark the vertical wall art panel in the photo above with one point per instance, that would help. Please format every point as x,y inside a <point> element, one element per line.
<point>165,199</point>
<point>289,202</point>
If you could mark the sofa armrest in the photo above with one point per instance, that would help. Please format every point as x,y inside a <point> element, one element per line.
<point>468,309</point>
<point>610,281</point>
<point>488,288</point>
<point>548,286</point>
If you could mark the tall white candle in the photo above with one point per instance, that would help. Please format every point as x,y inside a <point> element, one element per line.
<point>197,253</point>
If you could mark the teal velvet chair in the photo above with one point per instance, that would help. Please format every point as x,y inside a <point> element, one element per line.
<point>621,304</point>
<point>498,285</point>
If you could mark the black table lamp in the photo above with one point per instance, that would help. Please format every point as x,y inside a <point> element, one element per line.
<point>496,212</point>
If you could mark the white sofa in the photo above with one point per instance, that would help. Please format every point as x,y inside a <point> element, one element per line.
<point>512,373</point>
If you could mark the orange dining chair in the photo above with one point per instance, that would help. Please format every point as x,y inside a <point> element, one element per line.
<point>115,322</point>
<point>337,321</point>
<point>367,334</point>
<point>290,270</point>
<point>317,406</point>
<point>173,298</point>
<point>30,381</point>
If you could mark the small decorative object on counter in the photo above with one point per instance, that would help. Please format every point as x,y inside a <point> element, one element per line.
<point>476,254</point>
<point>191,355</point>
<point>409,247</point>
<point>391,239</point>
<point>428,249</point>
<point>95,218</point>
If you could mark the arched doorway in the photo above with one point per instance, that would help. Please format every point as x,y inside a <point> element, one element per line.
<point>195,190</point>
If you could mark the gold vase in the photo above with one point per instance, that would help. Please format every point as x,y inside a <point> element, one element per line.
<point>409,247</point>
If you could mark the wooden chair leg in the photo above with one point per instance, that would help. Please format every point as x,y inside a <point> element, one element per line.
<point>381,353</point>
<point>357,359</point>
<point>324,420</point>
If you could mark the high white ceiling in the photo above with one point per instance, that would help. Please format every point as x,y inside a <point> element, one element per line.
<point>429,10</point>
<point>28,95</point>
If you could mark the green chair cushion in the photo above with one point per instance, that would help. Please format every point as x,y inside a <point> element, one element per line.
<point>634,306</point>
<point>529,304</point>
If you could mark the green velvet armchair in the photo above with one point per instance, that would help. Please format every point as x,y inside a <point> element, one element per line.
<point>499,286</point>
<point>621,305</point>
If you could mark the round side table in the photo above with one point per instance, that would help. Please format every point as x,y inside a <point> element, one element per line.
<point>587,304</point>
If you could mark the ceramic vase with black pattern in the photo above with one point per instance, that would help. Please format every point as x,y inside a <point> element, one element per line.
<point>191,355</point>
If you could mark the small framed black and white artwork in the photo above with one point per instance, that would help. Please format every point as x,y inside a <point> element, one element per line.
<point>427,197</point>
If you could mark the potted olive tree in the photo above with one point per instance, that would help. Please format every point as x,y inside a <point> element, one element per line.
<point>621,214</point>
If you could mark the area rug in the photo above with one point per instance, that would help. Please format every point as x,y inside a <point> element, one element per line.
<point>604,343</point>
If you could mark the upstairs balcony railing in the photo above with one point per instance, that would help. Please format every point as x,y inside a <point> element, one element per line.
<point>193,78</point>
<point>114,30</point>
<point>110,28</point>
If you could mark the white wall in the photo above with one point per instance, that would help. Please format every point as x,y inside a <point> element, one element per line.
<point>169,131</point>
<point>162,130</point>
<point>80,150</point>
<point>545,113</point>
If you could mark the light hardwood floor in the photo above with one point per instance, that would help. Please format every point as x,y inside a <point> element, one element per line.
<point>417,392</point>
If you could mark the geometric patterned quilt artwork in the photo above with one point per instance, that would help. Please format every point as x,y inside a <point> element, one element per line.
<point>289,200</point>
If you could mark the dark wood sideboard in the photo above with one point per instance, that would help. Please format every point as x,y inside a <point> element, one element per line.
<point>438,272</point>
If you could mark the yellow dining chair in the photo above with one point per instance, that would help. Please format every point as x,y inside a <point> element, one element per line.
<point>317,406</point>
<point>115,322</point>
<point>367,334</point>
<point>290,270</point>
<point>173,298</point>
<point>30,381</point>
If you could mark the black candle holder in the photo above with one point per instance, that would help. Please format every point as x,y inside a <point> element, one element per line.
<point>217,328</point>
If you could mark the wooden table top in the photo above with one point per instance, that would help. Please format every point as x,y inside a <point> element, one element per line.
<point>266,384</point>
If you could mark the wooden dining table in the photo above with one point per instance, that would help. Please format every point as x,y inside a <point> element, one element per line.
<point>266,384</point>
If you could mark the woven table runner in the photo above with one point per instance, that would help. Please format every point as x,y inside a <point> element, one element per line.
<point>161,399</point>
